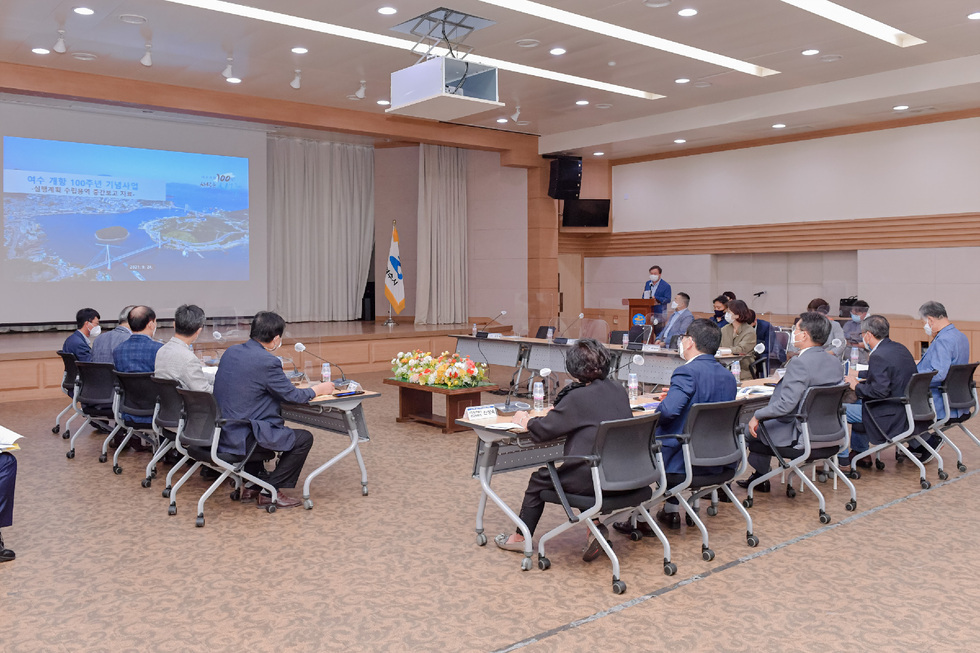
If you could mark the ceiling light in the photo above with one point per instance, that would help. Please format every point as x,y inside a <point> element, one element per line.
<point>702,84</point>
<point>501,120</point>
<point>359,93</point>
<point>974,16</point>
<point>299,50</point>
<point>296,81</point>
<point>522,123</point>
<point>83,11</point>
<point>582,103</point>
<point>233,80</point>
<point>387,11</point>
<point>656,4</point>
<point>147,60</point>
<point>321,27</point>
<point>604,105</point>
<point>59,45</point>
<point>227,73</point>
<point>779,125</point>
<point>687,13</point>
<point>132,19</point>
<point>680,141</point>
<point>854,20</point>
<point>830,58</point>
<point>625,34</point>
<point>810,52</point>
<point>900,107</point>
<point>557,51</point>
<point>84,56</point>
<point>681,80</point>
<point>41,51</point>
<point>598,153</point>
<point>527,43</point>
<point>384,103</point>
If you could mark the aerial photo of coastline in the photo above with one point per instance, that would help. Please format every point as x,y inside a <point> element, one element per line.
<point>76,211</point>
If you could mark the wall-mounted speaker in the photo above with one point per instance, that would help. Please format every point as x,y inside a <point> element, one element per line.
<point>566,178</point>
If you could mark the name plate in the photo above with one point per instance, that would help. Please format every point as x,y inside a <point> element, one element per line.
<point>651,348</point>
<point>495,336</point>
<point>476,413</point>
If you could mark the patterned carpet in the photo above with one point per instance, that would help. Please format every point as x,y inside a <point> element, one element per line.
<point>102,567</point>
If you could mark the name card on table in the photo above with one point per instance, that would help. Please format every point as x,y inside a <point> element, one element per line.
<point>477,413</point>
<point>649,348</point>
<point>495,336</point>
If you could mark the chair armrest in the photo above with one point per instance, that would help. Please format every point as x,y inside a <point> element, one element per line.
<point>555,481</point>
<point>901,400</point>
<point>683,438</point>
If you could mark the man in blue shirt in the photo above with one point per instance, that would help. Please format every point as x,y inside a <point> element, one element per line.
<point>657,288</point>
<point>106,343</point>
<point>139,352</point>
<point>87,323</point>
<point>679,320</point>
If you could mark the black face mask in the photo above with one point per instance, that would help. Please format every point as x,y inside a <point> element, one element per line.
<point>719,313</point>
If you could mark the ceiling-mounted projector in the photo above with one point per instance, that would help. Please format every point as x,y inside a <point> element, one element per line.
<point>443,89</point>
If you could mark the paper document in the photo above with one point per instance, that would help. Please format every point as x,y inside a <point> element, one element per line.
<point>8,439</point>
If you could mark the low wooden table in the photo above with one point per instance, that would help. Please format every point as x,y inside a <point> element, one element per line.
<point>415,403</point>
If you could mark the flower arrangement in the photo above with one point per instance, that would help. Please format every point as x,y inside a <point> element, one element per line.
<point>448,370</point>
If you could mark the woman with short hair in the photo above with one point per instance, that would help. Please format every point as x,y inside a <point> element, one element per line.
<point>739,335</point>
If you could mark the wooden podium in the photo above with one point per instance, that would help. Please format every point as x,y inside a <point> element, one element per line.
<point>644,306</point>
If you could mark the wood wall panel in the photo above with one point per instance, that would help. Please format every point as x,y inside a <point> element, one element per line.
<point>906,232</point>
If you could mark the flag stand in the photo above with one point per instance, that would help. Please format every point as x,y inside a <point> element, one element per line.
<point>389,322</point>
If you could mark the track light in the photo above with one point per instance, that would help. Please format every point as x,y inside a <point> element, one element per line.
<point>359,93</point>
<point>59,45</point>
<point>296,81</point>
<point>226,73</point>
<point>147,60</point>
<point>517,114</point>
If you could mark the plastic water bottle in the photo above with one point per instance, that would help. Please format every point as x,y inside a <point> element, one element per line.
<point>634,387</point>
<point>538,395</point>
<point>325,372</point>
<point>626,340</point>
<point>551,333</point>
<point>474,329</point>
<point>737,370</point>
<point>855,357</point>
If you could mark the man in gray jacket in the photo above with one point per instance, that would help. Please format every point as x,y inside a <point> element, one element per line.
<point>176,359</point>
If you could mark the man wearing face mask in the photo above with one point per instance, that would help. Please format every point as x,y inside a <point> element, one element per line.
<point>138,353</point>
<point>658,289</point>
<point>890,366</point>
<point>679,320</point>
<point>852,330</point>
<point>250,387</point>
<point>78,343</point>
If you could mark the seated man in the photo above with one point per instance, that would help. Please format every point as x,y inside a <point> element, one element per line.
<point>679,320</point>
<point>890,366</point>
<point>853,331</point>
<point>138,354</point>
<point>841,349</point>
<point>579,408</point>
<point>106,343</point>
<point>87,323</point>
<point>176,359</point>
<point>701,379</point>
<point>813,366</point>
<point>250,387</point>
<point>8,478</point>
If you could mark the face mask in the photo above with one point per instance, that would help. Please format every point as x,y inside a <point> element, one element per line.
<point>925,327</point>
<point>719,313</point>
<point>681,350</point>
<point>866,345</point>
<point>277,346</point>
<point>855,317</point>
<point>795,337</point>
<point>655,278</point>
<point>673,305</point>
<point>96,330</point>
<point>730,317</point>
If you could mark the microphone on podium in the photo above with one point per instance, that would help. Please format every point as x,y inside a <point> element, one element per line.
<point>300,347</point>
<point>483,332</point>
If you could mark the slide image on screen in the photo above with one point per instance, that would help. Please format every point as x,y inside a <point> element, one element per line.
<point>86,212</point>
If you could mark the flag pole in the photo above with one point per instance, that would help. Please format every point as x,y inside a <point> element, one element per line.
<point>390,322</point>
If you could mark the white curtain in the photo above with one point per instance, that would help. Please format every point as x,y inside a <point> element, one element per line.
<point>321,228</point>
<point>440,295</point>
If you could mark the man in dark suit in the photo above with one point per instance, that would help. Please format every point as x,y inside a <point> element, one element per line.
<point>138,352</point>
<point>701,379</point>
<point>657,288</point>
<point>890,366</point>
<point>87,328</point>
<point>813,366</point>
<point>250,386</point>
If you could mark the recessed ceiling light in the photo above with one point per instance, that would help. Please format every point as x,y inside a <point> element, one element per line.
<point>527,43</point>
<point>680,141</point>
<point>702,84</point>
<point>779,125</point>
<point>85,56</point>
<point>132,19</point>
<point>681,80</point>
<point>83,11</point>
<point>385,103</point>
<point>604,105</point>
<point>900,107</point>
<point>582,103</point>
<point>830,58</point>
<point>299,50</point>
<point>810,52</point>
<point>522,123</point>
<point>387,11</point>
<point>859,22</point>
<point>656,4</point>
<point>233,80</point>
<point>41,51</point>
<point>974,16</point>
<point>501,120</point>
<point>598,153</point>
<point>557,51</point>
<point>686,13</point>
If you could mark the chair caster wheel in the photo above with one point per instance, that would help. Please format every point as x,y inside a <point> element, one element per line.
<point>364,491</point>
<point>66,435</point>
<point>790,491</point>
<point>824,518</point>
<point>153,474</point>
<point>146,482</point>
<point>271,508</point>
<point>925,484</point>
<point>879,465</point>
<point>752,540</point>
<point>543,563</point>
<point>707,554</point>
<point>103,458</point>
<point>619,587</point>
<point>961,467</point>
<point>747,502</point>
<point>851,505</point>
<point>636,535</point>
<point>308,504</point>
<point>56,428</point>
<point>943,475</point>
<point>166,493</point>
<point>688,520</point>
<point>526,564</point>
<point>822,478</point>
<point>712,511</point>
<point>670,569</point>
<point>117,470</point>
<point>236,495</point>
<point>172,509</point>
<point>855,474</point>
<point>199,522</point>
<point>481,539</point>
<point>70,454</point>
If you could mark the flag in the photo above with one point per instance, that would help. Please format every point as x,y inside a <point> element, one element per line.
<point>394,283</point>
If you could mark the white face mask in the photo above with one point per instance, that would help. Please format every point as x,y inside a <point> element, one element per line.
<point>866,345</point>
<point>96,330</point>
<point>673,305</point>
<point>729,317</point>
<point>925,327</point>
<point>655,278</point>
<point>680,348</point>
<point>795,337</point>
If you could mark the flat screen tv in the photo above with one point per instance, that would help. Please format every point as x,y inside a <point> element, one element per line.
<point>585,213</point>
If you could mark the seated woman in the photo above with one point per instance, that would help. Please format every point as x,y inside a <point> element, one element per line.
<point>720,306</point>
<point>579,408</point>
<point>739,335</point>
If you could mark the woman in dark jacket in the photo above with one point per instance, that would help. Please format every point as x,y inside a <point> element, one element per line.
<point>578,410</point>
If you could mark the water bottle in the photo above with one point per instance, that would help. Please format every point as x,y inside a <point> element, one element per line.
<point>325,372</point>
<point>855,357</point>
<point>551,333</point>
<point>634,387</point>
<point>538,395</point>
<point>474,329</point>
<point>737,370</point>
<point>626,340</point>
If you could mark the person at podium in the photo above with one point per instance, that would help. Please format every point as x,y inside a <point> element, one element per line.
<point>658,289</point>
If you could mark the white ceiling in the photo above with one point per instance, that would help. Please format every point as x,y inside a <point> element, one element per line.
<point>190,48</point>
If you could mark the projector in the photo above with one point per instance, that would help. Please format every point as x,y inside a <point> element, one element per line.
<point>443,88</point>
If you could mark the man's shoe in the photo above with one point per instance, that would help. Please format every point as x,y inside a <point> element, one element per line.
<point>625,527</point>
<point>282,501</point>
<point>865,463</point>
<point>723,496</point>
<point>592,547</point>
<point>671,520</point>
<point>761,487</point>
<point>250,494</point>
<point>6,555</point>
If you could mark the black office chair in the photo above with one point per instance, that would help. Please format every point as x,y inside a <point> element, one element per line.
<point>68,386</point>
<point>198,436</point>
<point>713,445</point>
<point>625,463</point>
<point>959,392</point>
<point>616,337</point>
<point>542,332</point>
<point>823,435</point>
<point>136,396</point>
<point>95,395</point>
<point>166,419</point>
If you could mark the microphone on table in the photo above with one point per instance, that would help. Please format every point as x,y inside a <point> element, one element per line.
<point>508,408</point>
<point>635,359</point>
<point>483,332</point>
<point>217,335</point>
<point>300,347</point>
<point>560,339</point>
